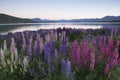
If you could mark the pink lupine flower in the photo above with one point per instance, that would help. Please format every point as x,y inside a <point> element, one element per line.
<point>82,54</point>
<point>106,69</point>
<point>92,58</point>
<point>114,58</point>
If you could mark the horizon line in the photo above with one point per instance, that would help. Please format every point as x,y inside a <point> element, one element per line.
<point>57,19</point>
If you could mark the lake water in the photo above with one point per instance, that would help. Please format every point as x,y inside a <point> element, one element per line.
<point>18,27</point>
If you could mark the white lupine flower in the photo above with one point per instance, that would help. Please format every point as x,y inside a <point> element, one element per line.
<point>41,45</point>
<point>16,54</point>
<point>48,39</point>
<point>15,57</point>
<point>68,68</point>
<point>11,68</point>
<point>12,57</point>
<point>52,35</point>
<point>12,48</point>
<point>2,58</point>
<point>24,44</point>
<point>2,54</point>
<point>13,45</point>
<point>19,61</point>
<point>14,64</point>
<point>25,63</point>
<point>56,36</point>
<point>60,37</point>
<point>5,45</point>
<point>8,62</point>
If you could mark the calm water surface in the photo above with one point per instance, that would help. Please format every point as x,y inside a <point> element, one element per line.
<point>5,28</point>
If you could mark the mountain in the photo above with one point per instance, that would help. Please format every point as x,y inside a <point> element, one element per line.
<point>38,20</point>
<point>11,19</point>
<point>103,19</point>
<point>111,18</point>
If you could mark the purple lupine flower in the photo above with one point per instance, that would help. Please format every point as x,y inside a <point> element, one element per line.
<point>56,58</point>
<point>29,52</point>
<point>68,68</point>
<point>64,66</point>
<point>31,71</point>
<point>24,44</point>
<point>47,56</point>
<point>43,72</point>
<point>41,45</point>
<point>52,47</point>
<point>31,39</point>
<point>35,49</point>
<point>63,50</point>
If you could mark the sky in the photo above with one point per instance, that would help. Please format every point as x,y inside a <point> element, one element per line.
<point>60,9</point>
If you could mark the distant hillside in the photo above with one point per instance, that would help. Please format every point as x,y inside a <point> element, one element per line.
<point>10,19</point>
<point>111,18</point>
<point>104,19</point>
<point>38,20</point>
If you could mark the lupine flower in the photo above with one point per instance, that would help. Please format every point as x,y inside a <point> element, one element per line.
<point>47,56</point>
<point>73,51</point>
<point>114,58</point>
<point>52,47</point>
<point>31,71</point>
<point>24,44</point>
<point>43,71</point>
<point>68,68</point>
<point>5,45</point>
<point>11,68</point>
<point>12,48</point>
<point>47,37</point>
<point>25,63</point>
<point>81,54</point>
<point>52,35</point>
<point>16,54</point>
<point>92,64</point>
<point>2,57</point>
<point>56,58</point>
<point>13,45</point>
<point>56,36</point>
<point>29,52</point>
<point>106,69</point>
<point>64,66</point>
<point>35,47</point>
<point>41,45</point>
<point>31,39</point>
<point>2,54</point>
<point>63,49</point>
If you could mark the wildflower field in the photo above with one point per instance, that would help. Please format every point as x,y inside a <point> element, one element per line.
<point>61,54</point>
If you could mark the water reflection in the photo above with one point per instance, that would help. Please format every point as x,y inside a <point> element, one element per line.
<point>23,27</point>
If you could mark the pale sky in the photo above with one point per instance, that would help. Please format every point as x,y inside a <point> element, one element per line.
<point>60,9</point>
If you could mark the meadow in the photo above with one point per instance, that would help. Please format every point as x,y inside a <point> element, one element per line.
<point>61,54</point>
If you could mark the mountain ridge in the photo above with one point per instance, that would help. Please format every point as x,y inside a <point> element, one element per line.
<point>4,18</point>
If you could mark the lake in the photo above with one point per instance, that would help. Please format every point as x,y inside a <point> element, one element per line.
<point>18,27</point>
